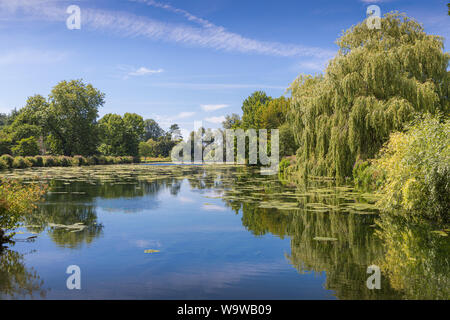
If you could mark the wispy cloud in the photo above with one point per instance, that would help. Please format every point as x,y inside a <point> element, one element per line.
<point>215,120</point>
<point>213,107</point>
<point>142,71</point>
<point>183,115</point>
<point>207,35</point>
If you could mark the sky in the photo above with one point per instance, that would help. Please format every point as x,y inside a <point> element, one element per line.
<point>180,61</point>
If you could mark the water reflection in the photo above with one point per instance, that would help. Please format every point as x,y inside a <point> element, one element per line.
<point>16,280</point>
<point>332,230</point>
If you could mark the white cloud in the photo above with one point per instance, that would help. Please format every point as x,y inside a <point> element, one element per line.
<point>213,107</point>
<point>183,115</point>
<point>216,120</point>
<point>207,35</point>
<point>142,71</point>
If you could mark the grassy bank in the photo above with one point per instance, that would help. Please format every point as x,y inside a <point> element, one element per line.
<point>9,162</point>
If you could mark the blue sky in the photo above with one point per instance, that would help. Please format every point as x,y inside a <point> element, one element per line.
<point>180,60</point>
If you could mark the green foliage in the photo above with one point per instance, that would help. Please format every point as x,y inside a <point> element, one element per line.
<point>366,177</point>
<point>121,135</point>
<point>72,118</point>
<point>232,122</point>
<point>21,163</point>
<point>78,161</point>
<point>7,159</point>
<point>373,86</point>
<point>288,145</point>
<point>17,200</point>
<point>152,130</point>
<point>252,109</point>
<point>26,147</point>
<point>3,164</point>
<point>416,165</point>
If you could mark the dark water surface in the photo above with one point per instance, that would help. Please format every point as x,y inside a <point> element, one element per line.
<point>221,233</point>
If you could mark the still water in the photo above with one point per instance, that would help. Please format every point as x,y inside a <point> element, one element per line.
<point>213,233</point>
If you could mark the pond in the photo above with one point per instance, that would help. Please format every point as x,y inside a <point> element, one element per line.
<point>211,232</point>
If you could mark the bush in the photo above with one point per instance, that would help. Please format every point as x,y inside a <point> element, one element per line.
<point>49,161</point>
<point>101,159</point>
<point>21,163</point>
<point>38,161</point>
<point>3,164</point>
<point>16,200</point>
<point>417,170</point>
<point>32,160</point>
<point>79,161</point>
<point>8,159</point>
<point>92,160</point>
<point>366,177</point>
<point>109,160</point>
<point>64,161</point>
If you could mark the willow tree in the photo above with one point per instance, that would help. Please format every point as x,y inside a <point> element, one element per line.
<point>377,81</point>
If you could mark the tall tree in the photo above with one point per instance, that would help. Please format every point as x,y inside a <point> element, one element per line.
<point>231,122</point>
<point>134,133</point>
<point>152,130</point>
<point>252,108</point>
<point>72,118</point>
<point>373,86</point>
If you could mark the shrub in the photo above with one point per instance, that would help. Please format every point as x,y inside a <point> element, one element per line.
<point>417,170</point>
<point>38,161</point>
<point>16,200</point>
<point>49,161</point>
<point>79,161</point>
<point>8,159</point>
<point>64,161</point>
<point>109,160</point>
<point>21,163</point>
<point>92,160</point>
<point>366,177</point>
<point>3,164</point>
<point>32,160</point>
<point>101,160</point>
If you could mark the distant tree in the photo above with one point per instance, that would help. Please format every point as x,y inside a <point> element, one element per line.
<point>152,130</point>
<point>174,132</point>
<point>120,136</point>
<point>134,133</point>
<point>112,135</point>
<point>231,122</point>
<point>72,118</point>
<point>252,109</point>
<point>145,150</point>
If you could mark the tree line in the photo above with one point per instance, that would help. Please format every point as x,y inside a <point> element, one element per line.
<point>66,123</point>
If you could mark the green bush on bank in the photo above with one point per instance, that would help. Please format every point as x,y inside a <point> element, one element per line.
<point>412,171</point>
<point>19,162</point>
